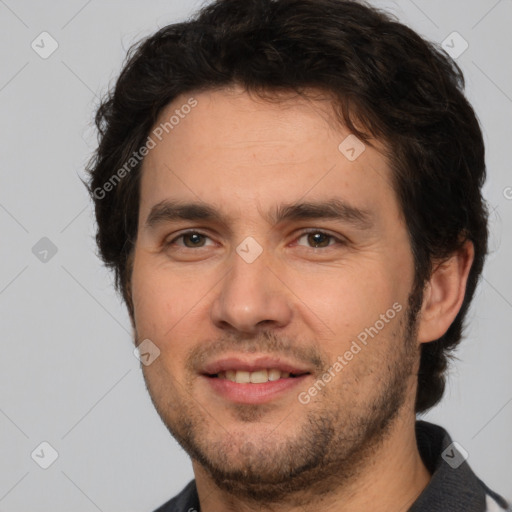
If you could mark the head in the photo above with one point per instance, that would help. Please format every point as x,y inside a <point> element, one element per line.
<point>243,109</point>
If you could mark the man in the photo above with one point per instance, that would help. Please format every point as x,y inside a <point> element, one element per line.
<point>289,193</point>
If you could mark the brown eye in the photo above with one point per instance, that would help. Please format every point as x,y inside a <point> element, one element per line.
<point>195,239</point>
<point>318,239</point>
<point>190,240</point>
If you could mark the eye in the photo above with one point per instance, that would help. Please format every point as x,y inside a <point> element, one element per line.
<point>316,239</point>
<point>319,239</point>
<point>191,239</point>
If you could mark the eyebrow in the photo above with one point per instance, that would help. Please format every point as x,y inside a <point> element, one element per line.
<point>332,209</point>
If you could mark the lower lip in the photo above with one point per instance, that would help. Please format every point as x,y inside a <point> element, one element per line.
<point>254,393</point>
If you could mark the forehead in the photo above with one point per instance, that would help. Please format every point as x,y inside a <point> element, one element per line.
<point>244,153</point>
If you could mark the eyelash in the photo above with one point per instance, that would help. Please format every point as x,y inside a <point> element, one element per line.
<point>339,241</point>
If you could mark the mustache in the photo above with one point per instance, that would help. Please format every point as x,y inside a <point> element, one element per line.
<point>266,342</point>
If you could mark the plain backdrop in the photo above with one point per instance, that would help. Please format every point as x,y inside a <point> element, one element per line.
<point>67,370</point>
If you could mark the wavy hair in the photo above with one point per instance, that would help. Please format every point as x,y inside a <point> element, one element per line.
<point>385,81</point>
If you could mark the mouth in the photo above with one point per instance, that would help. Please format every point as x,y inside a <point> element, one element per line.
<point>258,381</point>
<point>260,376</point>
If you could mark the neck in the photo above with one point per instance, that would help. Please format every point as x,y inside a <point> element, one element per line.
<point>392,479</point>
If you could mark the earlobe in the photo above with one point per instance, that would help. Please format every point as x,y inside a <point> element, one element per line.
<point>444,294</point>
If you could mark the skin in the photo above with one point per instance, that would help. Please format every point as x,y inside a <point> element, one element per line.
<point>353,446</point>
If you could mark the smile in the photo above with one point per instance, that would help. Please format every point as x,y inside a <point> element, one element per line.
<point>255,377</point>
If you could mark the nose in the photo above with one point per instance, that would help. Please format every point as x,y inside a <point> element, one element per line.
<point>251,298</point>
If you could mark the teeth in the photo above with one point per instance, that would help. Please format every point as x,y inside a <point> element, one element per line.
<point>256,377</point>
<point>242,377</point>
<point>274,374</point>
<point>259,376</point>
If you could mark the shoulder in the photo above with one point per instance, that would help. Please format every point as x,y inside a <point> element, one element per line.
<point>186,501</point>
<point>453,485</point>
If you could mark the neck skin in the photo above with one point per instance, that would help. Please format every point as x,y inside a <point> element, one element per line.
<point>392,480</point>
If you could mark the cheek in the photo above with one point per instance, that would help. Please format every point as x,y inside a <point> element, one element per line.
<point>168,309</point>
<point>343,301</point>
<point>156,298</point>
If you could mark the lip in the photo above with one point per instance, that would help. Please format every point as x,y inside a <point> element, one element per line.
<point>254,393</point>
<point>251,365</point>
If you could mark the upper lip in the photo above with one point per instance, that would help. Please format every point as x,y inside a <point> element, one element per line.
<point>251,365</point>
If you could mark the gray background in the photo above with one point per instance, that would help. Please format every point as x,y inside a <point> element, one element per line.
<point>68,374</point>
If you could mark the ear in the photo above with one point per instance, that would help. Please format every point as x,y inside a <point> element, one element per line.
<point>444,293</point>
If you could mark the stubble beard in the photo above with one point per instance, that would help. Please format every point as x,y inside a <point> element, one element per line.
<point>331,447</point>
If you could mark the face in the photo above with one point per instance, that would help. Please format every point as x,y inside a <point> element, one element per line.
<point>273,271</point>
